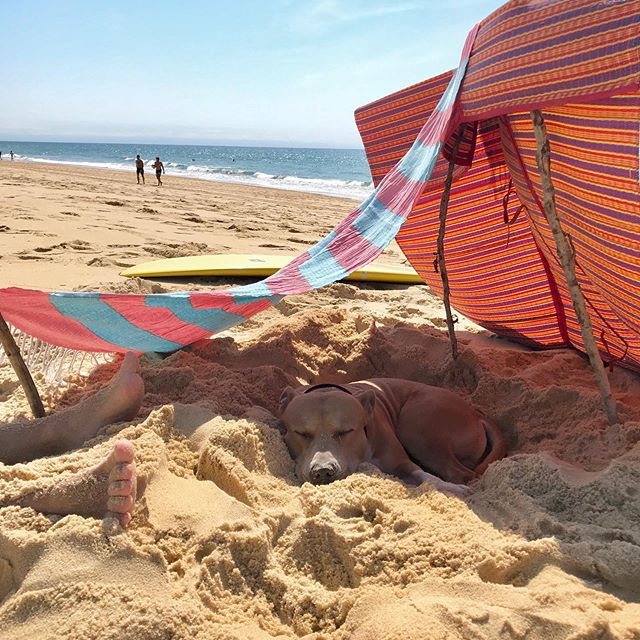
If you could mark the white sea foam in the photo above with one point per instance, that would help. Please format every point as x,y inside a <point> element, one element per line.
<point>115,166</point>
<point>332,187</point>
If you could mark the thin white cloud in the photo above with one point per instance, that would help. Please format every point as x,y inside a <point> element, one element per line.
<point>324,14</point>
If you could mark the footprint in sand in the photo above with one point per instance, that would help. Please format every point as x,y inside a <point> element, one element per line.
<point>194,218</point>
<point>173,250</point>
<point>107,262</point>
<point>77,245</point>
<point>114,203</point>
<point>119,254</point>
<point>70,213</point>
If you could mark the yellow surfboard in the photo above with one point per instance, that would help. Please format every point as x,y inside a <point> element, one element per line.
<point>247,265</point>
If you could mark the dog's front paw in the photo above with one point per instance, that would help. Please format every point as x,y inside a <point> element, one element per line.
<point>459,490</point>
<point>420,476</point>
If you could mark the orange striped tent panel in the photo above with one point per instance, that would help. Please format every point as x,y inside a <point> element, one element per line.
<point>578,61</point>
<point>531,53</point>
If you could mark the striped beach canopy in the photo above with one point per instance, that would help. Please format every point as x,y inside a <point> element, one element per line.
<point>578,61</point>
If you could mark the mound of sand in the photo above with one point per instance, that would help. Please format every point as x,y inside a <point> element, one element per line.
<point>226,543</point>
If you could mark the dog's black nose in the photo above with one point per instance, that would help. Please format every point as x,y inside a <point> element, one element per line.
<point>323,474</point>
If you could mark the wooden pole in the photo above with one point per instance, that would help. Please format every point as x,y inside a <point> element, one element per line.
<point>15,358</point>
<point>567,259</point>
<point>442,266</point>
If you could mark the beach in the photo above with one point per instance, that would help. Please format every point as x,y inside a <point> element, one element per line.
<point>226,542</point>
<point>68,226</point>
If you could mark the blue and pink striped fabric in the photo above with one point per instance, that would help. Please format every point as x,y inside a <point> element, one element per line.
<point>166,322</point>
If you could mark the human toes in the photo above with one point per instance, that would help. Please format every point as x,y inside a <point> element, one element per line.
<point>123,451</point>
<point>122,483</point>
<point>124,519</point>
<point>120,504</point>
<point>118,488</point>
<point>122,471</point>
<point>121,490</point>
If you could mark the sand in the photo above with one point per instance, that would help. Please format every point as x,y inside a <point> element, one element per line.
<point>66,227</point>
<point>226,543</point>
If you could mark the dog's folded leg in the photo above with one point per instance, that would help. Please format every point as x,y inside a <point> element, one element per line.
<point>419,476</point>
<point>411,473</point>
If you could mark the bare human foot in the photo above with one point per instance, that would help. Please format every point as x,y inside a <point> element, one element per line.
<point>119,401</point>
<point>72,427</point>
<point>109,489</point>
<point>122,483</point>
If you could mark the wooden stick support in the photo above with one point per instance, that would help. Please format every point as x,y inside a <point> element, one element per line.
<point>567,259</point>
<point>442,266</point>
<point>15,358</point>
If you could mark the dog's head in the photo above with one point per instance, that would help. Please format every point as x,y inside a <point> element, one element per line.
<point>326,430</point>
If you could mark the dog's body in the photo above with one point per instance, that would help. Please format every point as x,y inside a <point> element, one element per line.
<point>392,423</point>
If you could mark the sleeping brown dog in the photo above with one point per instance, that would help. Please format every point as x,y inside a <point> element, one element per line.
<point>407,429</point>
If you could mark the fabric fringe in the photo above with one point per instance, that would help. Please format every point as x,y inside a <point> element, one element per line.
<point>53,363</point>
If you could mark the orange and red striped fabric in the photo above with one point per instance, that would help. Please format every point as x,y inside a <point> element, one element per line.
<point>578,61</point>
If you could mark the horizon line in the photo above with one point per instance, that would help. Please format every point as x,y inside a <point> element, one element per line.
<point>256,144</point>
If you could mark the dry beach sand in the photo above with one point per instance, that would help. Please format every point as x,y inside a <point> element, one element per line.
<point>226,543</point>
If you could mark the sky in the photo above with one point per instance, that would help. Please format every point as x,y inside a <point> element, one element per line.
<point>254,72</point>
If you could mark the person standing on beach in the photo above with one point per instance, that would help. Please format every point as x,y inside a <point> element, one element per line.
<point>159,167</point>
<point>139,169</point>
<point>11,154</point>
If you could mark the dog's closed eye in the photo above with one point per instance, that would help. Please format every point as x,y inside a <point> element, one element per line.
<point>340,434</point>
<point>303,434</point>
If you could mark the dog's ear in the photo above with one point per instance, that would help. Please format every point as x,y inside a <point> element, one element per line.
<point>368,401</point>
<point>285,398</point>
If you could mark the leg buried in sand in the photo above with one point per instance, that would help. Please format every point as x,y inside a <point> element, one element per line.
<point>109,488</point>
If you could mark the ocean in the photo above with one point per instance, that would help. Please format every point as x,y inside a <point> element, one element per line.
<point>334,172</point>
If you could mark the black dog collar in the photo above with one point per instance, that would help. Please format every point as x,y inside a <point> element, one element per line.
<point>327,385</point>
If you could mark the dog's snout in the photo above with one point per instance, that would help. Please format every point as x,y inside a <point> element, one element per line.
<point>324,474</point>
<point>324,468</point>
